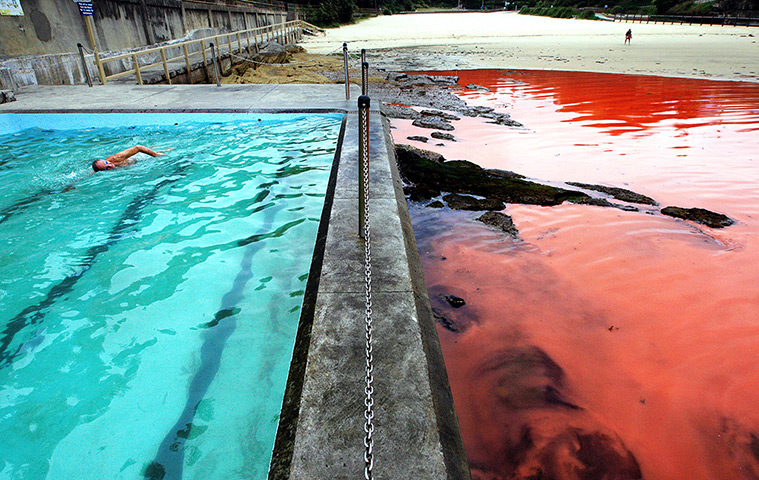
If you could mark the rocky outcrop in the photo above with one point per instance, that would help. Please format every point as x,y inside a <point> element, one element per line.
<point>499,221</point>
<point>434,123</point>
<point>465,202</point>
<point>429,174</point>
<point>272,52</point>
<point>699,215</point>
<point>618,193</point>
<point>442,136</point>
<point>418,138</point>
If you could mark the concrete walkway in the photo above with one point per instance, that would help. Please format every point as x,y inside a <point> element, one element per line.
<point>321,432</point>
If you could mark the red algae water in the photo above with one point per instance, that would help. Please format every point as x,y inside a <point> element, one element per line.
<point>604,344</point>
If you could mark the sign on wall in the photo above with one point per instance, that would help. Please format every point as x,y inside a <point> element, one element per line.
<point>85,8</point>
<point>11,7</point>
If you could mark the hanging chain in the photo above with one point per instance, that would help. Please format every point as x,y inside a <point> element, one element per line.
<point>369,389</point>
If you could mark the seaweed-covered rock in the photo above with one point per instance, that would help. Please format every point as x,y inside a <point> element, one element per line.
<point>434,123</point>
<point>602,202</point>
<point>463,177</point>
<point>618,193</point>
<point>699,215</point>
<point>442,136</point>
<point>465,202</point>
<point>501,221</point>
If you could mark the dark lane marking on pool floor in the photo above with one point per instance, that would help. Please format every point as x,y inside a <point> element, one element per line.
<point>34,313</point>
<point>169,461</point>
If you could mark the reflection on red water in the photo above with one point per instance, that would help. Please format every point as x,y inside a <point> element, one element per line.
<point>605,344</point>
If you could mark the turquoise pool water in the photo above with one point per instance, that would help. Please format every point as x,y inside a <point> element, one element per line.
<point>148,314</point>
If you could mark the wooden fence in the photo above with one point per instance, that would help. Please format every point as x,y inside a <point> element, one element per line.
<point>688,19</point>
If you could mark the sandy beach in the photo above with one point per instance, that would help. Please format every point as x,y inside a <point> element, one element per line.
<point>447,41</point>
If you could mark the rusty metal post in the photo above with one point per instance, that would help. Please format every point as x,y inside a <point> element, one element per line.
<point>84,64</point>
<point>347,78</point>
<point>215,67</point>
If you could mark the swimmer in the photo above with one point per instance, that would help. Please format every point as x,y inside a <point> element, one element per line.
<point>122,158</point>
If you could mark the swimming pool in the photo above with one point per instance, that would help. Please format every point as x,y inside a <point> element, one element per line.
<point>148,313</point>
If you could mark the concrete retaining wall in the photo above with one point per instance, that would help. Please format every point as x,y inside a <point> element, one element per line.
<point>43,51</point>
<point>55,26</point>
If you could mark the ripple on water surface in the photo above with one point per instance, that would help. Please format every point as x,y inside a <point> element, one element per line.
<point>604,343</point>
<point>149,312</point>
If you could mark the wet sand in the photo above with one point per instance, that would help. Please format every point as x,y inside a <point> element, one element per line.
<point>447,41</point>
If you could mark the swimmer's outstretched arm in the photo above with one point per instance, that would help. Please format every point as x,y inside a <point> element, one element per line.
<point>122,157</point>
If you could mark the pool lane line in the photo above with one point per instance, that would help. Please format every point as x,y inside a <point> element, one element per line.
<point>284,442</point>
<point>23,204</point>
<point>168,463</point>
<point>34,313</point>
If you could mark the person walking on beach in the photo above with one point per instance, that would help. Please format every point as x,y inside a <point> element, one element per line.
<point>628,36</point>
<point>122,158</point>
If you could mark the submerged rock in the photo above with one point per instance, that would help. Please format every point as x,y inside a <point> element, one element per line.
<point>433,123</point>
<point>501,221</point>
<point>465,202</point>
<point>435,204</point>
<point>618,193</point>
<point>429,175</point>
<point>699,215</point>
<point>474,86</point>
<point>418,138</point>
<point>454,301</point>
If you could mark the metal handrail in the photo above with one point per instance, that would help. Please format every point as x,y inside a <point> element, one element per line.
<point>286,32</point>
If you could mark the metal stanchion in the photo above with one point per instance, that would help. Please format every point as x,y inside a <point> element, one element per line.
<point>363,55</point>
<point>363,158</point>
<point>347,78</point>
<point>84,64</point>
<point>215,68</point>
<point>364,78</point>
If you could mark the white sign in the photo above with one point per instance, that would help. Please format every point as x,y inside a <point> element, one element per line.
<point>11,7</point>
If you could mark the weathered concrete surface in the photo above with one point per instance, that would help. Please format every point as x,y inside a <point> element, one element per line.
<point>416,431</point>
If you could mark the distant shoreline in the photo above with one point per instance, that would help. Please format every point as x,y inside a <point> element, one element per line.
<point>471,40</point>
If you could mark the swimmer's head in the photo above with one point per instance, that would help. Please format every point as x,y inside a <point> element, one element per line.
<point>100,165</point>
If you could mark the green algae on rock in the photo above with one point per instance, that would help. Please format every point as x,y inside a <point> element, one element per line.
<point>429,175</point>
<point>618,193</point>
<point>465,202</point>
